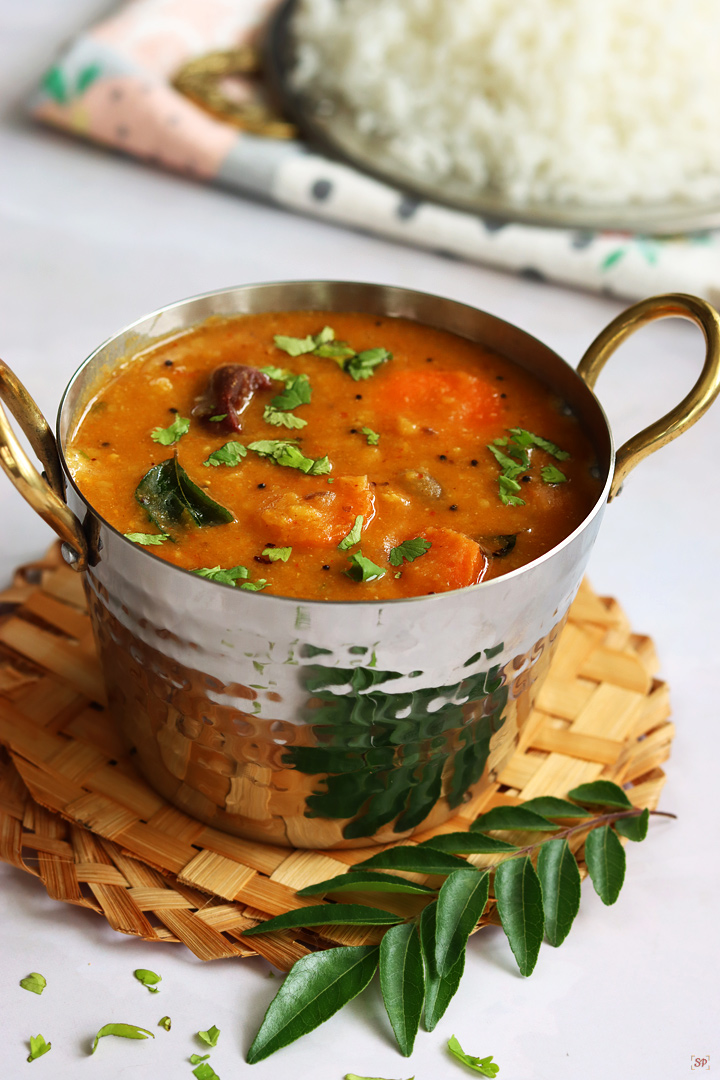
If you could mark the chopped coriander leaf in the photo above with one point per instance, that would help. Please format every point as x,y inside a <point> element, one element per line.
<point>147,978</point>
<point>147,539</point>
<point>278,373</point>
<point>277,554</point>
<point>510,467</point>
<point>254,586</point>
<point>409,550</point>
<point>210,1036</point>
<point>485,1066</point>
<point>123,1031</point>
<point>205,1072</point>
<point>286,452</point>
<point>169,435</point>
<point>353,537</point>
<point>230,454</point>
<point>339,351</point>
<point>294,346</point>
<point>362,569</point>
<point>195,1059</point>
<point>363,365</point>
<point>297,392</point>
<point>34,982</point>
<point>38,1047</point>
<point>372,436</point>
<point>224,576</point>
<point>277,418</point>
<point>550,474</point>
<point>218,418</point>
<point>527,439</point>
<point>326,334</point>
<point>507,486</point>
<point>165,1022</point>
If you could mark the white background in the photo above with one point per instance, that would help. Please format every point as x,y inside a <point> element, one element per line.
<point>90,241</point>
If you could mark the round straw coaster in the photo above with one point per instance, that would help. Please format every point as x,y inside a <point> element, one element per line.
<point>75,813</point>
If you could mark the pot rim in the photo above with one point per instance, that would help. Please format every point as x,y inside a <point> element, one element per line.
<point>420,294</point>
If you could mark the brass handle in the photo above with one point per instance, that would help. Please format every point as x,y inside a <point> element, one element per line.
<point>692,406</point>
<point>45,494</point>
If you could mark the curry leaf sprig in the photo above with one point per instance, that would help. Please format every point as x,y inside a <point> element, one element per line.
<point>535,889</point>
<point>513,458</point>
<point>359,365</point>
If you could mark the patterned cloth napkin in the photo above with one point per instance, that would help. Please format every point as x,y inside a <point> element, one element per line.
<point>113,85</point>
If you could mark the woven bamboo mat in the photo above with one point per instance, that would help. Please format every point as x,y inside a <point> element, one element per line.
<point>75,814</point>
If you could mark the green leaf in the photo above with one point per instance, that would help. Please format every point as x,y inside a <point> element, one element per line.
<point>34,982</point>
<point>354,536</point>
<point>417,860</point>
<point>520,906</point>
<point>230,454</point>
<point>362,569</point>
<point>460,904</point>
<point>170,497</point>
<point>210,1036</point>
<point>218,418</point>
<point>372,436</point>
<point>148,539</point>
<point>54,85</point>
<point>549,806</point>
<point>326,915</point>
<point>286,452</point>
<point>560,883</point>
<point>485,1066</point>
<point>169,435</point>
<point>354,1076</point>
<point>512,817</point>
<point>550,474</point>
<point>468,843</point>
<point>605,860</point>
<point>365,881</point>
<point>402,981</point>
<point>439,992</point>
<point>123,1031</point>
<point>228,576</point>
<point>281,374</point>
<point>339,351</point>
<point>205,1072</point>
<point>510,467</point>
<point>38,1047</point>
<point>254,586</point>
<point>294,346</point>
<point>601,793</point>
<point>195,1059</point>
<point>632,828</point>
<point>362,365</point>
<point>410,550</point>
<point>297,392</point>
<point>527,439</point>
<point>277,418</point>
<point>87,76</point>
<point>277,554</point>
<point>316,987</point>
<point>165,1022</point>
<point>147,978</point>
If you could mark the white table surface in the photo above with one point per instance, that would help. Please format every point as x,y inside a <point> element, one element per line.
<point>90,241</point>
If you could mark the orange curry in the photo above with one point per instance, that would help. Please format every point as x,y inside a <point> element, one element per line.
<point>333,457</point>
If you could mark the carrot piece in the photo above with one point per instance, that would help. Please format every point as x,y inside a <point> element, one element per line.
<point>452,562</point>
<point>441,399</point>
<point>321,518</point>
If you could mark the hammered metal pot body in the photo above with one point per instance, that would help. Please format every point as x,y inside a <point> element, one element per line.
<point>325,724</point>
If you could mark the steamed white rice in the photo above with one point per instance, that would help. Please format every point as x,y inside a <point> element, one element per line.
<point>585,101</point>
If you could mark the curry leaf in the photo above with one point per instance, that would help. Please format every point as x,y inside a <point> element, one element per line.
<point>512,817</point>
<point>365,881</point>
<point>551,807</point>
<point>230,454</point>
<point>485,1066</point>
<point>402,982</point>
<point>605,860</point>
<point>326,914</point>
<point>169,435</point>
<point>147,978</point>
<point>418,860</point>
<point>439,991</point>
<point>601,793</point>
<point>210,1036</point>
<point>353,537</point>
<point>468,843</point>
<point>34,982</point>
<point>38,1047</point>
<point>170,497</point>
<point>409,550</point>
<point>316,987</point>
<point>460,904</point>
<point>520,906</point>
<point>123,1031</point>
<point>560,882</point>
<point>634,828</point>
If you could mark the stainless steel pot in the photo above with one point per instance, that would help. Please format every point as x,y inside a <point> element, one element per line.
<point>329,724</point>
